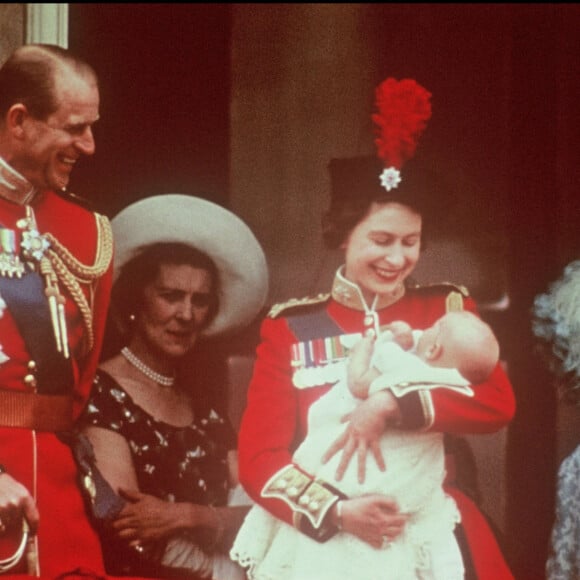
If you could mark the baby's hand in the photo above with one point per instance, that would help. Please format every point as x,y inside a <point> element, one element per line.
<point>402,334</point>
<point>358,367</point>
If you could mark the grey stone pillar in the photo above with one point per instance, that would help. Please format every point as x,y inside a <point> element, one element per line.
<point>301,91</point>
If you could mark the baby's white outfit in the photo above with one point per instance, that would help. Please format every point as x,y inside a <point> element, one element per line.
<point>415,470</point>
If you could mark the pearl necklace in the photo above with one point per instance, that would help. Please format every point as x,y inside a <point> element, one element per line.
<point>163,380</point>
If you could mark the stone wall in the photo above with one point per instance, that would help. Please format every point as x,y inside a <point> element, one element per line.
<point>12,28</point>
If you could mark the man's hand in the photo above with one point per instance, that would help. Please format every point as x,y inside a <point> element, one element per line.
<point>16,503</point>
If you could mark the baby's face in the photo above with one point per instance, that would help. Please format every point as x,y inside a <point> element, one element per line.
<point>441,333</point>
<point>429,338</point>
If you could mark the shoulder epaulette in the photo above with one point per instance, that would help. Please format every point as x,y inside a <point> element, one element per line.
<point>440,286</point>
<point>277,309</point>
<point>74,198</point>
<point>455,293</point>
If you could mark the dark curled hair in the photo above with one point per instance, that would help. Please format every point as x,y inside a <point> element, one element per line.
<point>355,186</point>
<point>140,271</point>
<point>341,219</point>
<point>343,216</point>
<point>29,74</point>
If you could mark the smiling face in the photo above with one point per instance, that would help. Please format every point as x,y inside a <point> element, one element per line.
<point>174,310</point>
<point>49,148</point>
<point>383,249</point>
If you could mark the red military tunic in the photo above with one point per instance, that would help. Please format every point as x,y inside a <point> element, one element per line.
<point>275,419</point>
<point>66,540</point>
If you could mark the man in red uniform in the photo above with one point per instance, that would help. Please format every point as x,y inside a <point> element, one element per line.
<point>55,277</point>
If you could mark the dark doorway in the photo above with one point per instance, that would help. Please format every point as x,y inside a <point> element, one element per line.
<point>164,72</point>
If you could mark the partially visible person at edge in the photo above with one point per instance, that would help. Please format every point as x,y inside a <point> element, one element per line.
<point>55,279</point>
<point>556,323</point>
<point>376,217</point>
<point>185,269</point>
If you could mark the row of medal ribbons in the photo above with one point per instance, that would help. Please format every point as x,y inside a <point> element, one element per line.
<point>321,361</point>
<point>10,264</point>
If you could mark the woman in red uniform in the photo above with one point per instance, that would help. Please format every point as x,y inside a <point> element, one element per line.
<point>376,218</point>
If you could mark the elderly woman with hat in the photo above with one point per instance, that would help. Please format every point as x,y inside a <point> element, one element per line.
<point>185,269</point>
<point>376,218</point>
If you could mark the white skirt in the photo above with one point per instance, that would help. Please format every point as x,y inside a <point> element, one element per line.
<point>270,549</point>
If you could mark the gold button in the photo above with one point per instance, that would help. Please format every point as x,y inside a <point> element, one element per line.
<point>90,486</point>
<point>292,491</point>
<point>30,380</point>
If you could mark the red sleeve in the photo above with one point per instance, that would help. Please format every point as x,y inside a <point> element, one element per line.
<point>87,366</point>
<point>272,422</point>
<point>491,408</point>
<point>269,422</point>
<point>485,552</point>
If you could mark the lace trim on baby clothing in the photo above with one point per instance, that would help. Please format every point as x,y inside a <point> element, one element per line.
<point>253,540</point>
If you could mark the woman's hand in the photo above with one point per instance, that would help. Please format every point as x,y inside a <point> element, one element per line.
<point>373,518</point>
<point>146,518</point>
<point>365,426</point>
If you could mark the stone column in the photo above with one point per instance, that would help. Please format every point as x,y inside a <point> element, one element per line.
<point>11,28</point>
<point>301,91</point>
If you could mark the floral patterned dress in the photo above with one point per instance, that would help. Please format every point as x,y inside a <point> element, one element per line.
<point>181,464</point>
<point>564,559</point>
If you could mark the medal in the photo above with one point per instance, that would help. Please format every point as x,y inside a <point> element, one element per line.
<point>319,361</point>
<point>10,264</point>
<point>35,249</point>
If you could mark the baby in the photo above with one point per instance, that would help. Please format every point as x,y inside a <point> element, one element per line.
<point>460,344</point>
<point>457,352</point>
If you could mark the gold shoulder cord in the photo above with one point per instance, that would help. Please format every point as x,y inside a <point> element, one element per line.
<point>71,272</point>
<point>278,308</point>
<point>58,266</point>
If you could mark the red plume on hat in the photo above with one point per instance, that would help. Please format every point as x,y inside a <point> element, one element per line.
<point>403,109</point>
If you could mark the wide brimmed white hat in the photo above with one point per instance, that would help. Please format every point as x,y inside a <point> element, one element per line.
<point>210,228</point>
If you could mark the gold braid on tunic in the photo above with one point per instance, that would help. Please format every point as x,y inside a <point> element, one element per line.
<point>71,272</point>
<point>59,265</point>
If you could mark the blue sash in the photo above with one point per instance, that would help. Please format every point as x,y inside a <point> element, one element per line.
<point>28,306</point>
<point>312,325</point>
